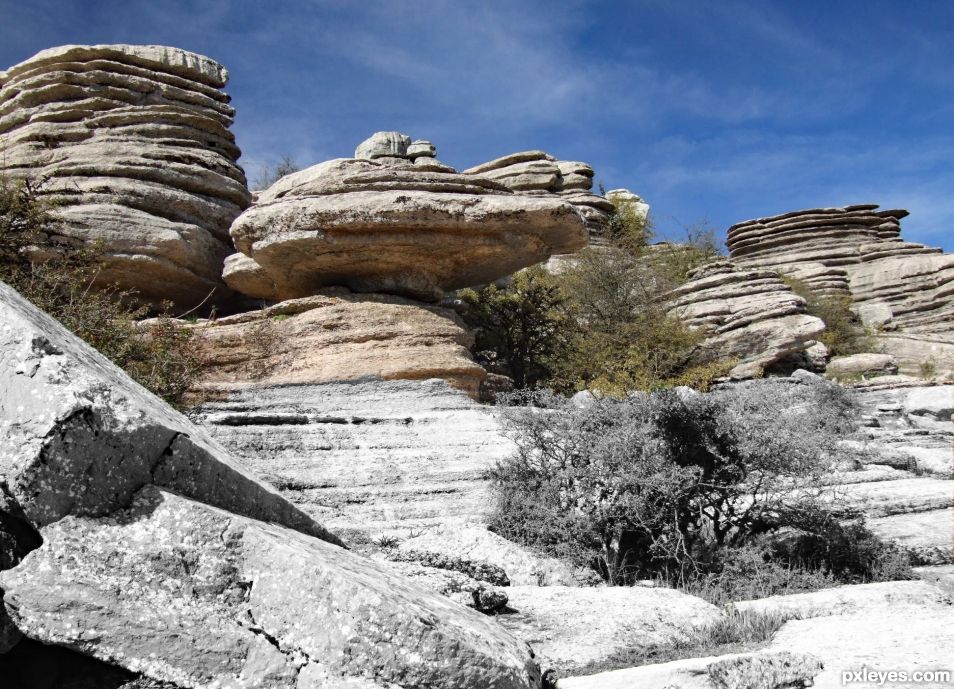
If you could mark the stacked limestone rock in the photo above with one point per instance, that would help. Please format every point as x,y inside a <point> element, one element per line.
<point>749,315</point>
<point>135,148</point>
<point>536,173</point>
<point>904,289</point>
<point>393,220</point>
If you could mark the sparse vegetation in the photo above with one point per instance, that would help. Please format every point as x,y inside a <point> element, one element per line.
<point>57,276</point>
<point>721,493</point>
<point>736,632</point>
<point>269,174</point>
<point>844,333</point>
<point>601,323</point>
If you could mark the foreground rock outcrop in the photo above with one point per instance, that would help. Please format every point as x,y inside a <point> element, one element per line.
<point>902,289</point>
<point>133,146</point>
<point>195,596</point>
<point>749,316</point>
<point>140,542</point>
<point>400,223</point>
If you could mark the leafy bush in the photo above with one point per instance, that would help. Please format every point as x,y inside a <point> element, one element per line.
<point>57,276</point>
<point>660,483</point>
<point>844,333</point>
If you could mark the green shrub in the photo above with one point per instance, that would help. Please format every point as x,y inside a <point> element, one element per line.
<point>660,483</point>
<point>601,322</point>
<point>844,333</point>
<point>520,330</point>
<point>156,353</point>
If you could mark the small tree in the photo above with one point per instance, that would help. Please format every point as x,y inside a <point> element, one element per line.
<point>662,482</point>
<point>521,329</point>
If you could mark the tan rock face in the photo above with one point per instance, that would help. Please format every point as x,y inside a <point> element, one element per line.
<point>395,225</point>
<point>537,173</point>
<point>902,288</point>
<point>135,148</point>
<point>749,315</point>
<point>337,336</point>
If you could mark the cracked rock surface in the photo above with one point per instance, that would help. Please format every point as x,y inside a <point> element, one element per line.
<point>195,596</point>
<point>77,436</point>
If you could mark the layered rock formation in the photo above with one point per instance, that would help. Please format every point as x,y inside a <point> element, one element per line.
<point>140,542</point>
<point>336,336</point>
<point>539,174</point>
<point>133,143</point>
<point>397,222</point>
<point>749,315</point>
<point>905,290</point>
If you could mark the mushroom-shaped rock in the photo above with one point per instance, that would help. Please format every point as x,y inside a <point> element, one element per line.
<point>390,225</point>
<point>133,143</point>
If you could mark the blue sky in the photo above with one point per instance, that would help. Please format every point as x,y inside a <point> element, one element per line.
<point>713,111</point>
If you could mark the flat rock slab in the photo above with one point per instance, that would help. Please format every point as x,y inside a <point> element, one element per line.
<point>195,596</point>
<point>852,599</point>
<point>905,638</point>
<point>474,543</point>
<point>570,627</point>
<point>928,536</point>
<point>761,670</point>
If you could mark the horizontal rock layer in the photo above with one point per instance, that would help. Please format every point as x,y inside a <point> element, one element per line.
<point>337,336</point>
<point>133,143</point>
<point>382,456</point>
<point>857,252</point>
<point>537,173</point>
<point>748,315</point>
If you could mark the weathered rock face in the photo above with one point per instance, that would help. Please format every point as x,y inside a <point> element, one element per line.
<point>394,224</point>
<point>134,144</point>
<point>396,456</point>
<point>902,288</point>
<point>196,596</point>
<point>78,437</point>
<point>337,336</point>
<point>909,429</point>
<point>204,583</point>
<point>536,173</point>
<point>750,315</point>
